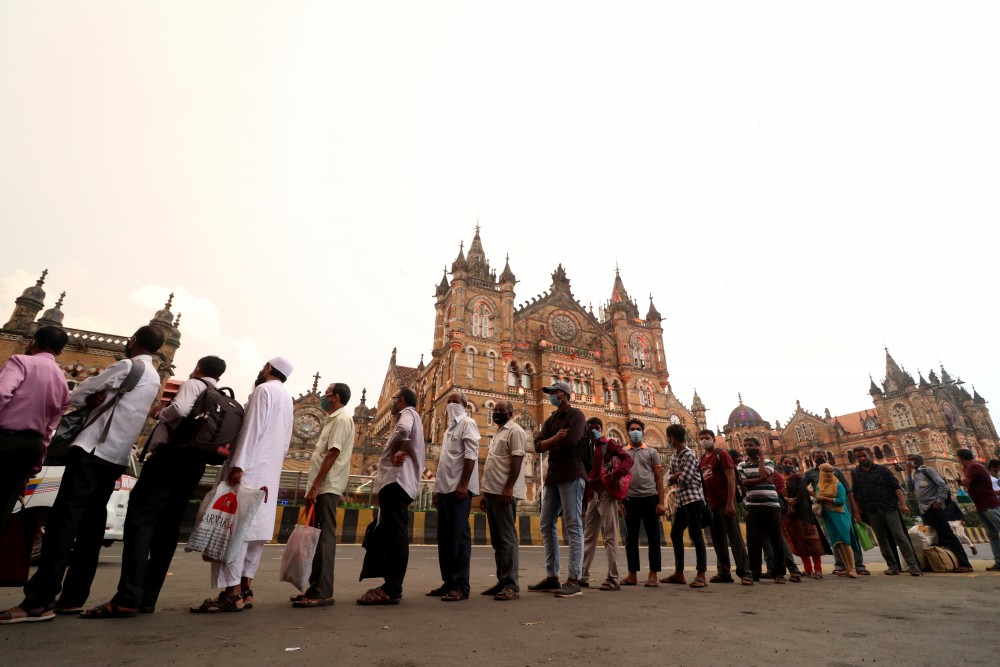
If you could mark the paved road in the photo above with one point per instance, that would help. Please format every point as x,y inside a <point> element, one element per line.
<point>937,619</point>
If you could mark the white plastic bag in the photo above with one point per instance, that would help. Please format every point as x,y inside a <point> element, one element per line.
<point>224,517</point>
<point>922,537</point>
<point>296,562</point>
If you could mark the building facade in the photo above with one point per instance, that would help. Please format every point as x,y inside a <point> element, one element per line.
<point>492,348</point>
<point>933,417</point>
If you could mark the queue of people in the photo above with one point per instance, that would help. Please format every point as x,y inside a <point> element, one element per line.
<point>590,481</point>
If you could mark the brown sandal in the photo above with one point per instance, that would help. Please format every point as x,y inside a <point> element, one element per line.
<point>454,596</point>
<point>672,579</point>
<point>699,582</point>
<point>507,593</point>
<point>109,610</point>
<point>375,596</point>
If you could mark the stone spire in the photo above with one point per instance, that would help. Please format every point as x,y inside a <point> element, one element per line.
<point>479,267</point>
<point>620,300</point>
<point>460,262</point>
<point>654,315</point>
<point>976,398</point>
<point>27,306</point>
<point>53,317</point>
<point>874,390</point>
<point>442,287</point>
<point>895,377</point>
<point>421,366</point>
<point>361,412</point>
<point>945,378</point>
<point>315,387</point>
<point>507,276</point>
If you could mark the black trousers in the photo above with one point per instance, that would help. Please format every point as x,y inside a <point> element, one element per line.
<point>936,519</point>
<point>726,535</point>
<point>156,508</point>
<point>689,517</point>
<point>764,523</point>
<point>454,541</point>
<point>642,510</point>
<point>502,521</point>
<point>20,451</point>
<point>393,536</point>
<point>321,577</point>
<point>74,533</point>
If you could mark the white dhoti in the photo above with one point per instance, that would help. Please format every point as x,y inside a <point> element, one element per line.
<point>245,565</point>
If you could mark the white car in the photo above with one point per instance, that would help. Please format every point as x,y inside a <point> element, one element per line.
<point>43,487</point>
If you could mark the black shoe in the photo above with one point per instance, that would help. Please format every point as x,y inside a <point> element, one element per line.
<point>493,590</point>
<point>584,583</point>
<point>547,584</point>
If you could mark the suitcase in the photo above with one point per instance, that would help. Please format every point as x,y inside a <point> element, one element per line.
<point>15,545</point>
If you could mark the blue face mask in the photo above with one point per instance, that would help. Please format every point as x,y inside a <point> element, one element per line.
<point>555,400</point>
<point>596,433</point>
<point>324,403</point>
<point>635,436</point>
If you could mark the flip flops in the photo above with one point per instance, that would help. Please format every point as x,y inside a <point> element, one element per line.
<point>109,610</point>
<point>33,616</point>
<point>376,596</point>
<point>306,603</point>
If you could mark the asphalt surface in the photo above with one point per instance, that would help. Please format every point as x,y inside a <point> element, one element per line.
<point>932,620</point>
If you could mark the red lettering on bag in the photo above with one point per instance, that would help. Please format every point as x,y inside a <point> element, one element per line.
<point>226,503</point>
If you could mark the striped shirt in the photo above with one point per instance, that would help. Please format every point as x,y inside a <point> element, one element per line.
<point>760,495</point>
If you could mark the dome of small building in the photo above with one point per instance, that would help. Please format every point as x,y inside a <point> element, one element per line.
<point>744,415</point>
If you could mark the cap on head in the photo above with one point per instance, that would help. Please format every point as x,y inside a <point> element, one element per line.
<point>558,386</point>
<point>282,365</point>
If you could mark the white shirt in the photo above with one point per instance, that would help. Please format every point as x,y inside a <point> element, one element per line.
<point>337,433</point>
<point>509,441</point>
<point>996,484</point>
<point>461,444</point>
<point>129,415</point>
<point>260,451</point>
<point>179,408</point>
<point>407,436</point>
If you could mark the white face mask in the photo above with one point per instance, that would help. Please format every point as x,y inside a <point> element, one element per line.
<point>707,444</point>
<point>455,411</point>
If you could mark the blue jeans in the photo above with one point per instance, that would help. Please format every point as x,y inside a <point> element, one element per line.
<point>991,522</point>
<point>566,497</point>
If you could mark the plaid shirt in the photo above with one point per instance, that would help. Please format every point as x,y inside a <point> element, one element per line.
<point>688,485</point>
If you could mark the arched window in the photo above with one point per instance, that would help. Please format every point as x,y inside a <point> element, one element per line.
<point>887,451</point>
<point>577,389</point>
<point>512,374</point>
<point>615,393</point>
<point>850,456</point>
<point>470,360</point>
<point>470,409</point>
<point>830,457</point>
<point>809,427</point>
<point>483,320</point>
<point>489,413</point>
<point>798,433</point>
<point>878,453</point>
<point>586,387</point>
<point>491,362</point>
<point>871,424</point>
<point>526,376</point>
<point>607,391</point>
<point>640,351</point>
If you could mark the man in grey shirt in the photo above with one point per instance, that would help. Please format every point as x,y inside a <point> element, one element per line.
<point>932,496</point>
<point>644,504</point>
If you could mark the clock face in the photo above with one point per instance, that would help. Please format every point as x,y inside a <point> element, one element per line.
<point>674,419</point>
<point>564,327</point>
<point>307,426</point>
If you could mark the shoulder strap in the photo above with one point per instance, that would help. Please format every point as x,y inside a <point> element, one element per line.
<point>127,385</point>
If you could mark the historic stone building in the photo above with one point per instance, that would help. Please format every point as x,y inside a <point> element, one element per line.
<point>88,352</point>
<point>491,348</point>
<point>934,417</point>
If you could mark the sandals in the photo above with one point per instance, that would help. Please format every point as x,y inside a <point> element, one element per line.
<point>221,604</point>
<point>672,579</point>
<point>31,616</point>
<point>610,585</point>
<point>719,579</point>
<point>779,580</point>
<point>306,603</point>
<point>109,610</point>
<point>246,599</point>
<point>507,593</point>
<point>651,583</point>
<point>454,596</point>
<point>376,596</point>
<point>746,581</point>
<point>795,578</point>
<point>436,592</point>
<point>817,575</point>
<point>493,590</point>
<point>699,582</point>
<point>629,582</point>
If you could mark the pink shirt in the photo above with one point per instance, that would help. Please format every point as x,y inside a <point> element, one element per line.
<point>33,394</point>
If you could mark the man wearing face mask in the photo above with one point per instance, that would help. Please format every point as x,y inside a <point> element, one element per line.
<point>719,474</point>
<point>881,498</point>
<point>812,481</point>
<point>602,508</point>
<point>565,480</point>
<point>645,504</point>
<point>690,508</point>
<point>456,481</point>
<point>763,511</point>
<point>97,458</point>
<point>503,485</point>
<point>327,481</point>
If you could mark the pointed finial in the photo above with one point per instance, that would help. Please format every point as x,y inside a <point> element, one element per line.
<point>363,393</point>
<point>59,303</point>
<point>41,280</point>
<point>316,377</point>
<point>741,397</point>
<point>177,320</point>
<point>617,271</point>
<point>170,301</point>
<point>461,245</point>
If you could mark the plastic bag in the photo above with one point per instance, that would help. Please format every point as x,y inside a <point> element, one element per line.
<point>864,536</point>
<point>223,519</point>
<point>296,562</point>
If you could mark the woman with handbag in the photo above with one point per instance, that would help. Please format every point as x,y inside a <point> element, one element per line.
<point>799,525</point>
<point>831,496</point>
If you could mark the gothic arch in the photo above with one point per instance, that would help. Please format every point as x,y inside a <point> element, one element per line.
<point>640,351</point>
<point>483,318</point>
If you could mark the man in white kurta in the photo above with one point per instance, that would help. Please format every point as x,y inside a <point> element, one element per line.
<point>256,463</point>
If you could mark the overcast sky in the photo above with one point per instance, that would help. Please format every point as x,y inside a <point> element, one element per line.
<point>797,184</point>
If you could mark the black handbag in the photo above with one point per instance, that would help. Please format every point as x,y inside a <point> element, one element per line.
<point>373,566</point>
<point>70,426</point>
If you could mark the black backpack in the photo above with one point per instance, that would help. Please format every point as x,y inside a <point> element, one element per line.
<point>212,425</point>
